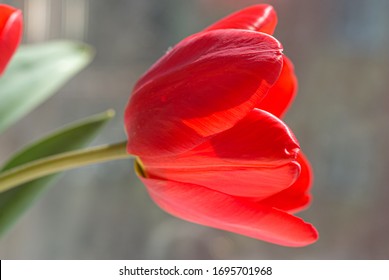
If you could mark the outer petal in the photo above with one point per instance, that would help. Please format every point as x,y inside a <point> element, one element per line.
<point>203,86</point>
<point>201,205</point>
<point>11,26</point>
<point>296,197</point>
<point>281,95</point>
<point>254,158</point>
<point>258,182</point>
<point>260,18</point>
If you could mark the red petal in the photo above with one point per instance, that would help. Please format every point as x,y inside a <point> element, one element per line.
<point>296,197</point>
<point>11,25</point>
<point>203,86</point>
<point>211,208</point>
<point>282,93</point>
<point>258,139</point>
<point>260,18</point>
<point>258,182</point>
<point>254,158</point>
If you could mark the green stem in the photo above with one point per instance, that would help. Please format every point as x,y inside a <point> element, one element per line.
<point>60,162</point>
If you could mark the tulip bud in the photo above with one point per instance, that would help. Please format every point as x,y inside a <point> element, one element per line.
<point>205,123</point>
<point>11,26</point>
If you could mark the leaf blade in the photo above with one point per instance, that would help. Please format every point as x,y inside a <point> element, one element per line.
<point>35,73</point>
<point>16,201</point>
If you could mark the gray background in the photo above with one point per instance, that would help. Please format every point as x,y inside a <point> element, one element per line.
<point>340,51</point>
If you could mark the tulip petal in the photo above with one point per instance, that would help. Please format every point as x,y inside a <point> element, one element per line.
<point>282,93</point>
<point>296,197</point>
<point>201,205</point>
<point>260,18</point>
<point>11,25</point>
<point>260,139</point>
<point>203,86</point>
<point>258,182</point>
<point>254,158</point>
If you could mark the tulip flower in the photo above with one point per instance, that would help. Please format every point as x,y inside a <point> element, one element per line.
<point>204,123</point>
<point>11,25</point>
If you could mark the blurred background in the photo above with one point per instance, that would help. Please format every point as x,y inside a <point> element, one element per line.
<point>340,51</point>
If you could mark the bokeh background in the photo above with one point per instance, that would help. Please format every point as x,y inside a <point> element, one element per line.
<point>340,51</point>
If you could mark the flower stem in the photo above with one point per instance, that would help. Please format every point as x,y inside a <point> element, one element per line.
<point>61,162</point>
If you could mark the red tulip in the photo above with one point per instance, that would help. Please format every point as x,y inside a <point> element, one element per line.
<point>204,121</point>
<point>11,25</point>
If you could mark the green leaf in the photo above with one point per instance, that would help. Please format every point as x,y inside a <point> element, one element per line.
<point>35,73</point>
<point>15,201</point>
